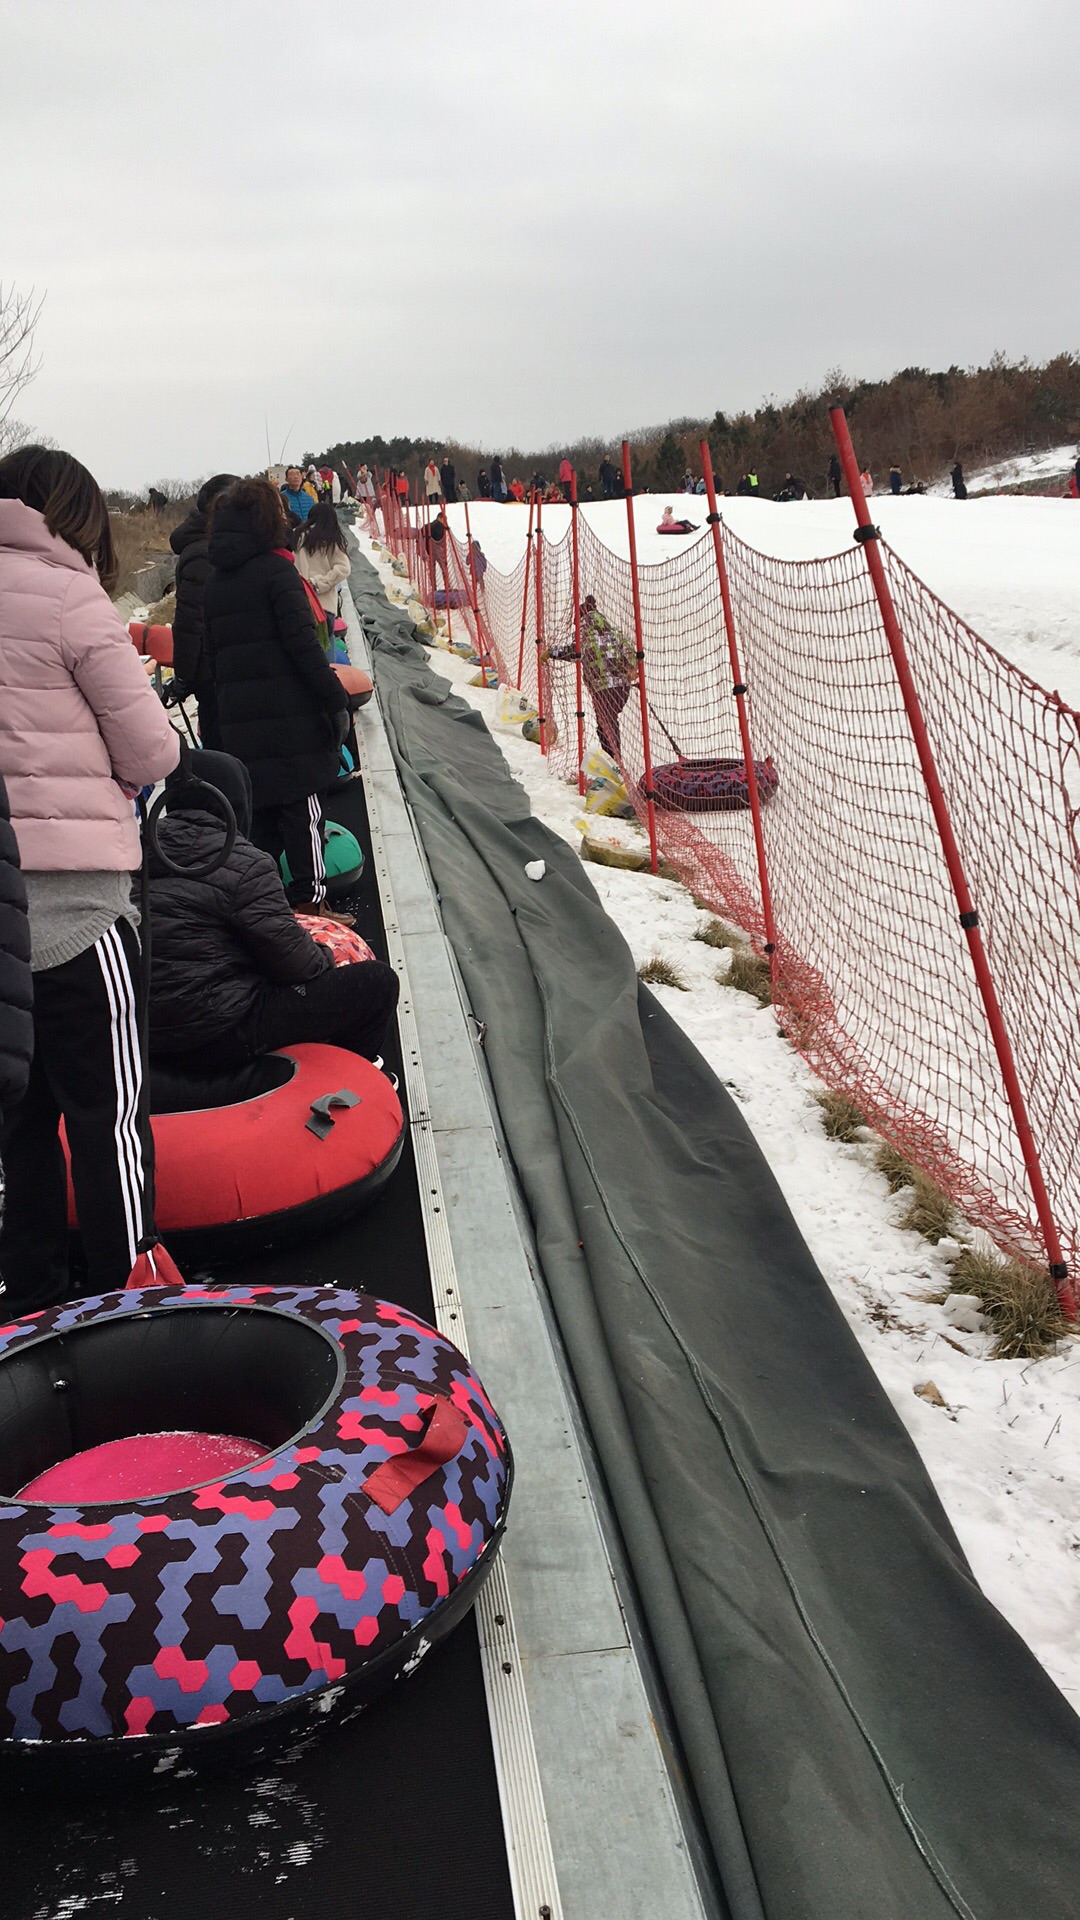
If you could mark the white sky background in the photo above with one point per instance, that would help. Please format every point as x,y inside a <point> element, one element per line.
<point>518,223</point>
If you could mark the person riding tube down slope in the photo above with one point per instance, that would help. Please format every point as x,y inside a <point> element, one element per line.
<point>81,732</point>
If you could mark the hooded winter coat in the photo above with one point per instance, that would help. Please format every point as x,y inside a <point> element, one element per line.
<point>78,715</point>
<point>188,542</point>
<point>277,694</point>
<point>215,943</point>
<point>16,984</point>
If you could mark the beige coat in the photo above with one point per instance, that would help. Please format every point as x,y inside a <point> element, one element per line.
<point>325,568</point>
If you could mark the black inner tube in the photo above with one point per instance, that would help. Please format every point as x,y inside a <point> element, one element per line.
<point>255,1372</point>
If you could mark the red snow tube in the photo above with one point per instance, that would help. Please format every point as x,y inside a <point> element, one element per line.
<point>357,684</point>
<point>155,641</point>
<point>291,1142</point>
<point>711,786</point>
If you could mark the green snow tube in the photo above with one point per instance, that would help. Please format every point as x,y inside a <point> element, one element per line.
<point>344,861</point>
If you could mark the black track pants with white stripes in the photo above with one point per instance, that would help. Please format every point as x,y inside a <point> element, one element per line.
<point>87,1067</point>
<point>295,830</point>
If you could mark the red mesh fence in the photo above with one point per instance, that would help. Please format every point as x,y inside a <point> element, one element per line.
<point>872,979</point>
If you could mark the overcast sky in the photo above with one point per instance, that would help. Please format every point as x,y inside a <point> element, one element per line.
<point>518,223</point>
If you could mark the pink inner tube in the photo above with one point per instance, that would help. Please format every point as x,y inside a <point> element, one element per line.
<point>140,1466</point>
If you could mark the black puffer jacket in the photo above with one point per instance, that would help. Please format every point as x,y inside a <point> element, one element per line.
<point>277,694</point>
<point>188,542</point>
<point>16,982</point>
<point>215,943</point>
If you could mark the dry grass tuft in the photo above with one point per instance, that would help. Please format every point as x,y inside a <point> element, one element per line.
<point>659,972</point>
<point>1018,1299</point>
<point>748,973</point>
<point>140,538</point>
<point>716,934</point>
<point>898,1171</point>
<point>161,613</point>
<point>929,1212</point>
<point>840,1117</point>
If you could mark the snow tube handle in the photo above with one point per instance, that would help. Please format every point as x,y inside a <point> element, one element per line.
<point>393,1480</point>
<point>322,1120</point>
<point>210,798</point>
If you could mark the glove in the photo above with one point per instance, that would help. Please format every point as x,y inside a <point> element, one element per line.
<point>175,692</point>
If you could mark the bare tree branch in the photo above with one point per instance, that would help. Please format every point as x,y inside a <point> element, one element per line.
<point>19,315</point>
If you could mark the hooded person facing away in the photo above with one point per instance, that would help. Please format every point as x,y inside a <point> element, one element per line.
<point>281,708</point>
<point>232,972</point>
<point>191,662</point>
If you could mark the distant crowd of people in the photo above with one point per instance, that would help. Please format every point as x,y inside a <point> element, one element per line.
<point>442,486</point>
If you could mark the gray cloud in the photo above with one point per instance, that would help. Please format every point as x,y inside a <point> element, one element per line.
<point>518,224</point>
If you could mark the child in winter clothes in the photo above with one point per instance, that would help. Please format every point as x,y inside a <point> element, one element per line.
<point>233,973</point>
<point>81,731</point>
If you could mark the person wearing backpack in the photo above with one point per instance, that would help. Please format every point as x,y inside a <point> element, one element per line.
<point>281,708</point>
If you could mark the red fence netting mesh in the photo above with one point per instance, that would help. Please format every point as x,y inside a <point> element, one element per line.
<point>872,980</point>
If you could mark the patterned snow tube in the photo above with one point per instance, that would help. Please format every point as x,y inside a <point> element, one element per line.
<point>299,1585</point>
<point>711,786</point>
<point>344,858</point>
<point>343,943</point>
<point>285,1146</point>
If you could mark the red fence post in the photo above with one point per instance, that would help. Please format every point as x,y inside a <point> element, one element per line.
<point>639,637</point>
<point>580,712</point>
<point>541,716</point>
<point>525,594</point>
<point>738,688</point>
<point>867,535</point>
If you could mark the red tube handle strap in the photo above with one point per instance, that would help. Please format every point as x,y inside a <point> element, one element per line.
<point>393,1480</point>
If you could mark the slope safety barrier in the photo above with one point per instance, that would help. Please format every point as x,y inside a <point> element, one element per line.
<point>934,979</point>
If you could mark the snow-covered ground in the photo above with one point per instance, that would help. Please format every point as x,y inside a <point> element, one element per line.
<point>1003,1448</point>
<point>1050,467</point>
<point>1010,565</point>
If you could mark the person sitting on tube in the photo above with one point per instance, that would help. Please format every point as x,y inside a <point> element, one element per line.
<point>233,974</point>
<point>669,524</point>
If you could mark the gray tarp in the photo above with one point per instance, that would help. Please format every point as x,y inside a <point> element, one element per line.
<point>864,1732</point>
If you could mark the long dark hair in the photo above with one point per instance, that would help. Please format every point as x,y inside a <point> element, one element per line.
<point>322,528</point>
<point>68,497</point>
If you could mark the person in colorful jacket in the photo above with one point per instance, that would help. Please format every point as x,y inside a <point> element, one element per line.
<point>299,498</point>
<point>608,668</point>
<point>81,733</point>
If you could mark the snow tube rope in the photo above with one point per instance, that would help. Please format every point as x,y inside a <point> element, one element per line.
<point>300,1583</point>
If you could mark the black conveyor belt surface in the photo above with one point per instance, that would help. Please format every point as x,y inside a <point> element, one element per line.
<point>395,1817</point>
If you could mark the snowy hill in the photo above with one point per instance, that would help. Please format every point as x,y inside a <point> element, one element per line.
<point>1009,565</point>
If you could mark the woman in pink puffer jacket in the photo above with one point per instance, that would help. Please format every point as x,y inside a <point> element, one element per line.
<point>81,731</point>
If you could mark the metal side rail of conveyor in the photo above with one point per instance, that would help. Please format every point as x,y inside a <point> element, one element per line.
<point>590,1809</point>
